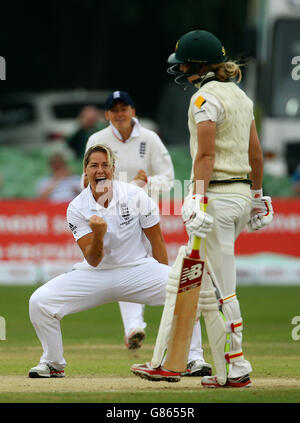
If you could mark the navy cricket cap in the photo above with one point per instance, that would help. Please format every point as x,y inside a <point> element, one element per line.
<point>118,95</point>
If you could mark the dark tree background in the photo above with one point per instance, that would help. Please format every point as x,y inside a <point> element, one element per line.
<point>119,44</point>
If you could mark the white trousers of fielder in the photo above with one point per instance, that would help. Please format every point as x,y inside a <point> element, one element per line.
<point>80,290</point>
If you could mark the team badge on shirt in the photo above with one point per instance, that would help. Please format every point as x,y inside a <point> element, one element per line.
<point>142,149</point>
<point>124,211</point>
<point>200,101</point>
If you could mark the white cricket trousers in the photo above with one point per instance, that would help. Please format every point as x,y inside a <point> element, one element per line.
<point>132,313</point>
<point>80,290</point>
<point>231,212</point>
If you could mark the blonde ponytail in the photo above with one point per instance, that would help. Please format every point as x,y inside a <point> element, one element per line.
<point>227,71</point>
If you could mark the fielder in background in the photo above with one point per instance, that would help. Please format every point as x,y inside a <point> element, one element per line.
<point>108,220</point>
<point>228,170</point>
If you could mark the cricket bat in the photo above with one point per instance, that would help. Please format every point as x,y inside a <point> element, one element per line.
<point>185,307</point>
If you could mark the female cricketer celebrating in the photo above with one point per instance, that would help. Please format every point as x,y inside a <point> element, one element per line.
<point>109,220</point>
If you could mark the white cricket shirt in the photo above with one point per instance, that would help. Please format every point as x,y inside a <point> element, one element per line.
<point>129,211</point>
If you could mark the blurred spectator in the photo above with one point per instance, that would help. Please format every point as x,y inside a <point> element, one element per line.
<point>61,185</point>
<point>295,179</point>
<point>91,120</point>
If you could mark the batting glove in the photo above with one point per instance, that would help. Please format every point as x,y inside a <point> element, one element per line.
<point>262,211</point>
<point>196,221</point>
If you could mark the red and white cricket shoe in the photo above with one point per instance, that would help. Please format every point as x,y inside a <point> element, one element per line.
<point>146,371</point>
<point>237,382</point>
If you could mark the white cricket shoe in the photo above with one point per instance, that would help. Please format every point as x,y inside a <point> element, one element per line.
<point>45,370</point>
<point>197,368</point>
<point>135,338</point>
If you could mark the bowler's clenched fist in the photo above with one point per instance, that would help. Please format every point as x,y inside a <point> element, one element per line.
<point>98,225</point>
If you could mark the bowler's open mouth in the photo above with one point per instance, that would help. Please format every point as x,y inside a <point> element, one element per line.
<point>103,184</point>
<point>100,180</point>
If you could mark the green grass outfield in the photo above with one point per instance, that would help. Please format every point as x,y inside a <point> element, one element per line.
<point>98,363</point>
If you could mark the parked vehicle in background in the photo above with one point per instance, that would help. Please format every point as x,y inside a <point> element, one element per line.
<point>29,120</point>
<point>276,77</point>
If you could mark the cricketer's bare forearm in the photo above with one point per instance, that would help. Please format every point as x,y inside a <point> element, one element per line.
<point>205,157</point>
<point>203,169</point>
<point>255,159</point>
<point>159,251</point>
<point>94,250</point>
<point>92,244</point>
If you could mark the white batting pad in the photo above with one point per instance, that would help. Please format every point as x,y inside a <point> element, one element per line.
<point>216,332</point>
<point>168,312</point>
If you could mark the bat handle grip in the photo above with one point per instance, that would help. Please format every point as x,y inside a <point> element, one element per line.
<point>195,248</point>
<point>196,240</point>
